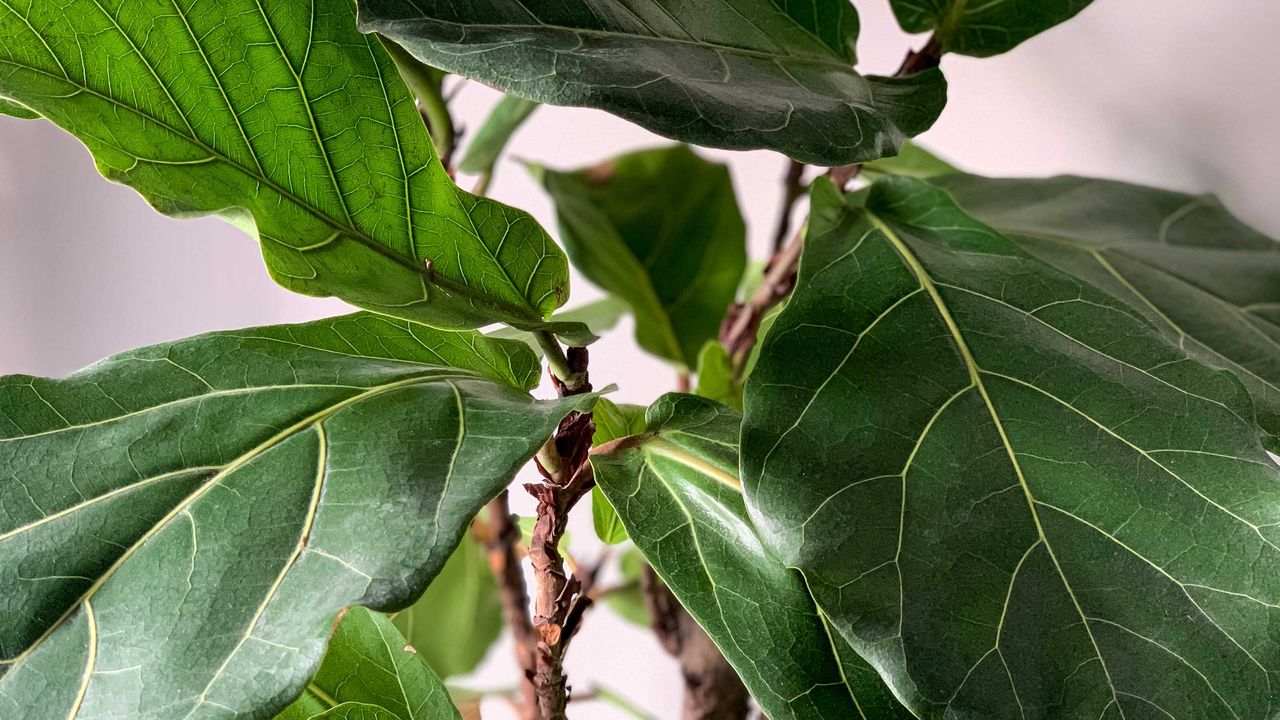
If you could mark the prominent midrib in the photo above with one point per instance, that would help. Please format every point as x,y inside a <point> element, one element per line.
<point>233,466</point>
<point>975,375</point>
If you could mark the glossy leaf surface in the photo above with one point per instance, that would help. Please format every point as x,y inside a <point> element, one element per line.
<point>459,617</point>
<point>660,229</point>
<point>983,29</point>
<point>739,74</point>
<point>1207,281</point>
<point>176,519</point>
<point>283,118</point>
<point>676,490</point>
<point>1011,491</point>
<point>370,672</point>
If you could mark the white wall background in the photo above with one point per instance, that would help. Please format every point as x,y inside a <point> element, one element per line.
<point>1168,92</point>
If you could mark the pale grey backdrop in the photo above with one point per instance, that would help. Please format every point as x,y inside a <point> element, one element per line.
<point>1169,92</point>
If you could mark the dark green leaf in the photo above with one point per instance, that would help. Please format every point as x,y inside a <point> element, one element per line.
<point>283,118</point>
<point>738,74</point>
<point>1209,282</point>
<point>676,490</point>
<point>459,616</point>
<point>180,524</point>
<point>982,29</point>
<point>715,376</point>
<point>612,422</point>
<point>370,671</point>
<point>1008,489</point>
<point>492,137</point>
<point>660,229</point>
<point>912,161</point>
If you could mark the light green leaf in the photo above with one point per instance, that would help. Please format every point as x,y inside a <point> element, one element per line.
<point>13,109</point>
<point>738,74</point>
<point>983,29</point>
<point>1008,489</point>
<point>459,616</point>
<point>676,490</point>
<point>912,160</point>
<point>660,229</point>
<point>491,139</point>
<point>1207,281</point>
<point>715,376</point>
<point>175,519</point>
<point>370,671</point>
<point>283,118</point>
<point>597,316</point>
<point>612,421</point>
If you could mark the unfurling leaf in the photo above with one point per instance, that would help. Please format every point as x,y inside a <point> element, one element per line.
<point>983,29</point>
<point>459,616</point>
<point>676,490</point>
<point>180,517</point>
<point>369,672</point>
<point>738,74</point>
<point>660,229</point>
<point>1013,491</point>
<point>283,118</point>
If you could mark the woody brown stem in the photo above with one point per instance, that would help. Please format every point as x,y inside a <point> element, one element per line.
<point>501,538</point>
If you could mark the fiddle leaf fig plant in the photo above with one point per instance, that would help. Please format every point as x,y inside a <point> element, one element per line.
<point>960,447</point>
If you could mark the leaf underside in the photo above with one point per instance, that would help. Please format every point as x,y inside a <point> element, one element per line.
<point>175,519</point>
<point>675,489</point>
<point>1010,490</point>
<point>282,117</point>
<point>738,74</point>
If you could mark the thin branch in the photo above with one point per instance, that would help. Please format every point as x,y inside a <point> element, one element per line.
<point>792,191</point>
<point>501,538</point>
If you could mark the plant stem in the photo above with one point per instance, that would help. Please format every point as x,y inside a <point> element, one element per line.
<point>792,190</point>
<point>501,538</point>
<point>558,362</point>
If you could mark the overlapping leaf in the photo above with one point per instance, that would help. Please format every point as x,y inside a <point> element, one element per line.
<point>676,490</point>
<point>284,118</point>
<point>737,74</point>
<point>971,27</point>
<point>1209,282</point>
<point>489,141</point>
<point>180,524</point>
<point>1010,490</point>
<point>660,229</point>
<point>370,673</point>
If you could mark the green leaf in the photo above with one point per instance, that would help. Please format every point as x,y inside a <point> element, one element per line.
<point>286,120</point>
<point>596,316</point>
<point>1209,282</point>
<point>983,29</point>
<point>612,421</point>
<point>628,600</point>
<point>492,137</point>
<point>738,74</point>
<point>453,624</point>
<point>660,229</point>
<point>912,161</point>
<point>1008,489</point>
<point>715,376</point>
<point>177,518</point>
<point>13,109</point>
<point>676,490</point>
<point>370,672</point>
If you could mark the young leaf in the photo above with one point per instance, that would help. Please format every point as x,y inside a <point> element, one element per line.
<point>179,517</point>
<point>715,376</point>
<point>912,160</point>
<point>613,421</point>
<point>738,74</point>
<point>983,29</point>
<point>283,118</point>
<point>1206,280</point>
<point>459,616</point>
<point>676,490</point>
<point>370,672</point>
<point>492,137</point>
<point>1008,489</point>
<point>660,229</point>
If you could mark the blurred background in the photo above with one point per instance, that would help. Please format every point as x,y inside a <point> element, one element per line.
<point>1176,94</point>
